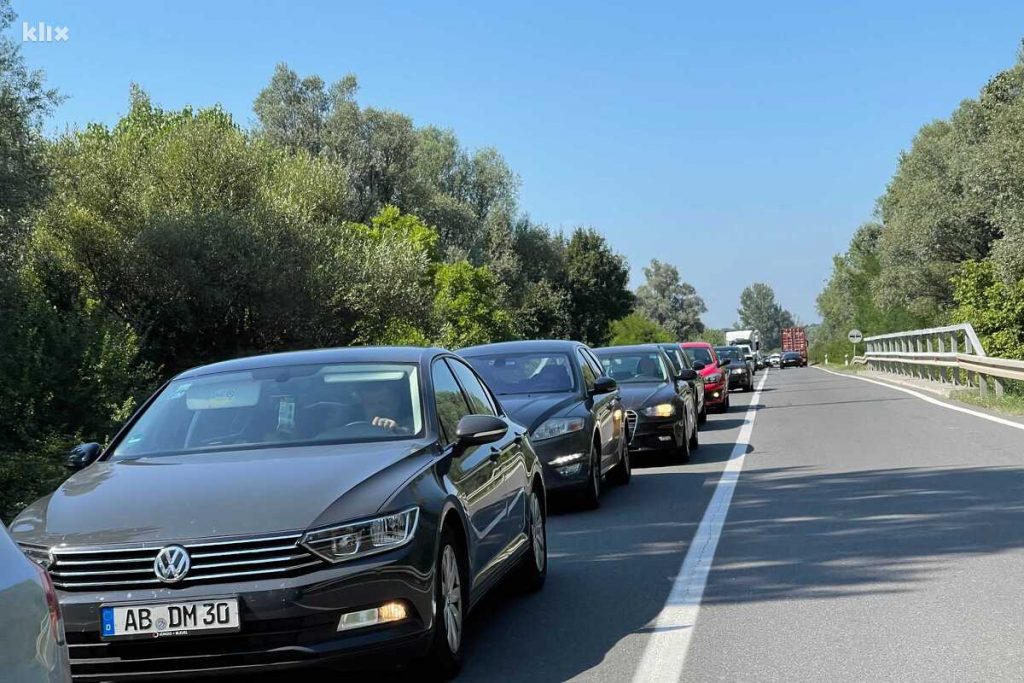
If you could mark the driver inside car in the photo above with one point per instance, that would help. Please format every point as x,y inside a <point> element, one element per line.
<point>382,406</point>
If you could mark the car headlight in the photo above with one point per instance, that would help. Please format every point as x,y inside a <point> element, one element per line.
<point>557,426</point>
<point>713,379</point>
<point>660,410</point>
<point>739,371</point>
<point>362,538</point>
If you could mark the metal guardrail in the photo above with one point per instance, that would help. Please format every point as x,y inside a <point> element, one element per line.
<point>950,355</point>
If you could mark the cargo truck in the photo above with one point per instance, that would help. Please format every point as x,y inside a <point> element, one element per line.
<point>795,339</point>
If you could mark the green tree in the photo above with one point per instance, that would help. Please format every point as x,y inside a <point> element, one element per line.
<point>994,307</point>
<point>596,279</point>
<point>468,306</point>
<point>760,311</point>
<point>671,303</point>
<point>636,328</point>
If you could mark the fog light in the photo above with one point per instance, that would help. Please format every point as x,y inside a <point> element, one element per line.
<point>570,470</point>
<point>567,459</point>
<point>664,438</point>
<point>386,613</point>
<point>715,394</point>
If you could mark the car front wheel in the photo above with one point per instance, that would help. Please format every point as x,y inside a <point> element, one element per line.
<point>445,657</point>
<point>533,568</point>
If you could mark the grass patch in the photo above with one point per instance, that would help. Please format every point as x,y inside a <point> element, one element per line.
<point>852,368</point>
<point>1012,404</point>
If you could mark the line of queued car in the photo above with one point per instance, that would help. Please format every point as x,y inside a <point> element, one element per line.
<point>342,507</point>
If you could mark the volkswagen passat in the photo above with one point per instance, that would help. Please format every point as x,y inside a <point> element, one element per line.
<point>559,391</point>
<point>284,510</point>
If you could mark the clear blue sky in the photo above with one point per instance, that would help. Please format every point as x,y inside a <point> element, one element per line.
<point>766,128</point>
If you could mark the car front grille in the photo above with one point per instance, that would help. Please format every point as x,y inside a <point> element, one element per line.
<point>631,419</point>
<point>212,561</point>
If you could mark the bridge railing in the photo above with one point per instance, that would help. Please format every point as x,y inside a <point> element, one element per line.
<point>949,355</point>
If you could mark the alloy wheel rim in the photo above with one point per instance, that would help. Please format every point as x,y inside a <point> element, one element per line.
<point>537,531</point>
<point>451,589</point>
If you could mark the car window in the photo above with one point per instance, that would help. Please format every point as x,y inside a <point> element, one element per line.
<point>594,362</point>
<point>479,400</point>
<point>278,406</point>
<point>635,366</point>
<point>525,373</point>
<point>449,400</point>
<point>589,376</point>
<point>700,354</point>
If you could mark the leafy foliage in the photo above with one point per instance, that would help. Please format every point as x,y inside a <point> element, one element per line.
<point>994,307</point>
<point>758,310</point>
<point>669,302</point>
<point>636,328</point>
<point>596,278</point>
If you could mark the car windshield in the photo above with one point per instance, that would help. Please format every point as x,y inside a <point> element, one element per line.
<point>634,367</point>
<point>700,354</point>
<point>526,373</point>
<point>730,352</point>
<point>279,406</point>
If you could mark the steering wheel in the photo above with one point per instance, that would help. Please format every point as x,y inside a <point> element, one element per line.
<point>360,422</point>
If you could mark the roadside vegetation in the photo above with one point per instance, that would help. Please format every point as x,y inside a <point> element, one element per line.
<point>947,242</point>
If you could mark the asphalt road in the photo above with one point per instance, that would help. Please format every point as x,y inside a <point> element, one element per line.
<point>871,537</point>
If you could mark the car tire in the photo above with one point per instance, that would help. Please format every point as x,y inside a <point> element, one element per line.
<point>694,438</point>
<point>444,658</point>
<point>533,567</point>
<point>623,472</point>
<point>592,490</point>
<point>727,404</point>
<point>703,417</point>
<point>683,450</point>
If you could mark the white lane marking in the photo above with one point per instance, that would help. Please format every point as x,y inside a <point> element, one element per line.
<point>925,397</point>
<point>665,652</point>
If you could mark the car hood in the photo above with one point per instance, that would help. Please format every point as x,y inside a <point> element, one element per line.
<point>234,493</point>
<point>641,394</point>
<point>530,410</point>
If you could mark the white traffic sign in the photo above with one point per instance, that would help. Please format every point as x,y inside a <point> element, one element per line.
<point>855,336</point>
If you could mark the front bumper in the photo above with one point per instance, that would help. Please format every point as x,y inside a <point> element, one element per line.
<point>570,454</point>
<point>654,434</point>
<point>739,380</point>
<point>285,622</point>
<point>715,394</point>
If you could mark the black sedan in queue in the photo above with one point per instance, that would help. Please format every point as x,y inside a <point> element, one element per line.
<point>341,507</point>
<point>560,393</point>
<point>791,359</point>
<point>661,414</point>
<point>741,376</point>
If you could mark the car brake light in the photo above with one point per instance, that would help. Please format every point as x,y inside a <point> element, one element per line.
<point>52,604</point>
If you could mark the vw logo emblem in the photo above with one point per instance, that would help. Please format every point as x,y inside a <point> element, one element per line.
<point>172,564</point>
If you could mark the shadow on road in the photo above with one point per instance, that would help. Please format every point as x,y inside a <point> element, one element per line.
<point>791,535</point>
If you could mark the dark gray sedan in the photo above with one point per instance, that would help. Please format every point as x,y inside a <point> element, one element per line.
<point>342,506</point>
<point>558,390</point>
<point>32,646</point>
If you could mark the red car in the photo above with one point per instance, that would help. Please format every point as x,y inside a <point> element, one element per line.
<point>716,381</point>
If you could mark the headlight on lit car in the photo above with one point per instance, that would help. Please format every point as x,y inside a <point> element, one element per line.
<point>739,371</point>
<point>660,410</point>
<point>557,426</point>
<point>366,537</point>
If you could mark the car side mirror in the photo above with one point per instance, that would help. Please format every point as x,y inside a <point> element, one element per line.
<point>82,455</point>
<point>722,363</point>
<point>473,430</point>
<point>604,385</point>
<point>688,375</point>
<point>699,366</point>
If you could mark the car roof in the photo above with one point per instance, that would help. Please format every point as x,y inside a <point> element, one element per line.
<point>521,346</point>
<point>350,354</point>
<point>697,344</point>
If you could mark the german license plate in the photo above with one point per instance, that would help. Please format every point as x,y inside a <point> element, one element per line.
<point>170,619</point>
